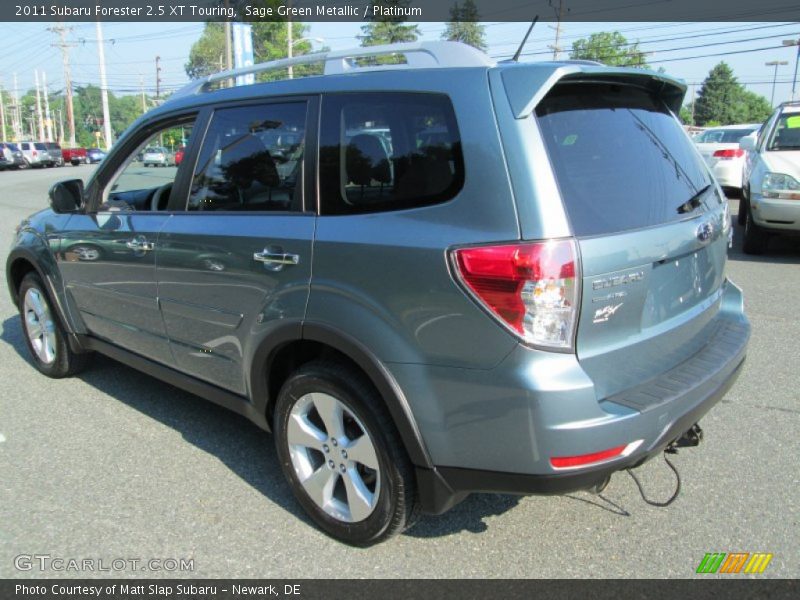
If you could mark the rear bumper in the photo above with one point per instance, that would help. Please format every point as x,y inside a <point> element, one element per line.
<point>442,488</point>
<point>501,437</point>
<point>729,173</point>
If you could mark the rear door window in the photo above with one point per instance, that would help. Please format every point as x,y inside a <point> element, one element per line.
<point>252,160</point>
<point>621,159</point>
<point>388,151</point>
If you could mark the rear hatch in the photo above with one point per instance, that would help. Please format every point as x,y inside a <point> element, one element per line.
<point>650,224</point>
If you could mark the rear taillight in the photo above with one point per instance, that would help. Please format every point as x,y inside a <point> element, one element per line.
<point>532,288</point>
<point>35,153</point>
<point>729,154</point>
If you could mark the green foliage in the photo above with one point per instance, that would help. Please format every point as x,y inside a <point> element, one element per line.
<point>464,26</point>
<point>609,48</point>
<point>270,42</point>
<point>686,115</point>
<point>388,30</point>
<point>723,100</point>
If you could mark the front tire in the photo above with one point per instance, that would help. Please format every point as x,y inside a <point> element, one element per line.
<point>755,238</point>
<point>741,218</point>
<point>342,455</point>
<point>44,335</point>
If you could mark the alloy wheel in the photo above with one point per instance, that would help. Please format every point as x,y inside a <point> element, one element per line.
<point>39,326</point>
<point>333,457</point>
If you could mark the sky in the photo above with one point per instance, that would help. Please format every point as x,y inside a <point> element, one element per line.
<point>131,48</point>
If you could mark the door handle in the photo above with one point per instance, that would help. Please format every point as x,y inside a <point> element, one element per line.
<point>140,243</point>
<point>276,258</point>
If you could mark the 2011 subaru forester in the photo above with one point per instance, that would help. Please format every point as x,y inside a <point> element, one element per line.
<point>427,279</point>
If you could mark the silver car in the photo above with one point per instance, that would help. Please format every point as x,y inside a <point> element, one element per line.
<point>36,154</point>
<point>158,156</point>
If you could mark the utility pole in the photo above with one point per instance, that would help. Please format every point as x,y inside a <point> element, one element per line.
<point>48,122</point>
<point>18,129</point>
<point>796,60</point>
<point>64,46</point>
<point>228,48</point>
<point>559,17</point>
<point>289,41</point>
<point>693,102</point>
<point>158,79</point>
<point>776,64</point>
<point>141,88</point>
<point>39,119</point>
<point>2,115</point>
<point>103,85</point>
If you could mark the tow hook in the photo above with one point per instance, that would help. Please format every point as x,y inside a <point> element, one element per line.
<point>691,438</point>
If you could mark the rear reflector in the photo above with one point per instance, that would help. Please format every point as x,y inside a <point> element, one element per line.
<point>532,288</point>
<point>729,154</point>
<point>585,460</point>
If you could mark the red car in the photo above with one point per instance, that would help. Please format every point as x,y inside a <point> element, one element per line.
<point>179,155</point>
<point>76,156</point>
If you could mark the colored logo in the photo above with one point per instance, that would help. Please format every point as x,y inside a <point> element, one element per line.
<point>734,562</point>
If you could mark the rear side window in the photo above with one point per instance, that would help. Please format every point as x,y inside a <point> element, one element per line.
<point>388,151</point>
<point>252,160</point>
<point>621,159</point>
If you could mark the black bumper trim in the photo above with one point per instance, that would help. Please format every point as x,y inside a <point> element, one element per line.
<point>442,488</point>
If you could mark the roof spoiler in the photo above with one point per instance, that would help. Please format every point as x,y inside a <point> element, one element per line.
<point>529,83</point>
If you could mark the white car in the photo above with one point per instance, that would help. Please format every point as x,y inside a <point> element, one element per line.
<point>771,194</point>
<point>719,147</point>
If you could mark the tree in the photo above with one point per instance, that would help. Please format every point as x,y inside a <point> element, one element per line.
<point>270,42</point>
<point>756,108</point>
<point>718,96</point>
<point>388,30</point>
<point>609,48</point>
<point>464,26</point>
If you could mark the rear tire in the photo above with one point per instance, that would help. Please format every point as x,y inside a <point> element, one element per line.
<point>44,334</point>
<point>325,410</point>
<point>755,238</point>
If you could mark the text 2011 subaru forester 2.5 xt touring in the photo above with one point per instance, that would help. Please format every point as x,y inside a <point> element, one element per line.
<point>427,279</point>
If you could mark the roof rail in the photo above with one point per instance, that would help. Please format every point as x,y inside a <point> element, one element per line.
<point>419,55</point>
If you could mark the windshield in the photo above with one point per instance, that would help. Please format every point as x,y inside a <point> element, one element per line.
<point>786,134</point>
<point>621,158</point>
<point>724,136</point>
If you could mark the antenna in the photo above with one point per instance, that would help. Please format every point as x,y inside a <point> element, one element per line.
<point>524,40</point>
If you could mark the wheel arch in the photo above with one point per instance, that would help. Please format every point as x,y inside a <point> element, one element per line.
<point>294,344</point>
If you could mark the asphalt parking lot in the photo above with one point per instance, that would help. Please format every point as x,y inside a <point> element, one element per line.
<point>114,464</point>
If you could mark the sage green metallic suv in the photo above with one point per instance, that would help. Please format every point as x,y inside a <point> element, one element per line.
<point>427,279</point>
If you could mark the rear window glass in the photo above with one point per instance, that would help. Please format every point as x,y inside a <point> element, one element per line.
<point>621,159</point>
<point>40,146</point>
<point>388,151</point>
<point>724,136</point>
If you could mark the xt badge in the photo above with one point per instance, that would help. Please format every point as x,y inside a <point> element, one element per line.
<point>601,315</point>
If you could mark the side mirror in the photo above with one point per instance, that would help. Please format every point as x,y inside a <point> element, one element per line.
<point>747,143</point>
<point>66,196</point>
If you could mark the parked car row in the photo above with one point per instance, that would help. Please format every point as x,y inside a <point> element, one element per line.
<point>25,154</point>
<point>770,202</point>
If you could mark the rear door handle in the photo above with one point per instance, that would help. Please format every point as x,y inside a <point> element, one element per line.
<point>276,258</point>
<point>140,244</point>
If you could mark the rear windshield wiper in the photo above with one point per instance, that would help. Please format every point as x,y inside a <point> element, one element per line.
<point>693,203</point>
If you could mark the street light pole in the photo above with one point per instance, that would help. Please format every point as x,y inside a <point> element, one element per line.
<point>776,64</point>
<point>796,60</point>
